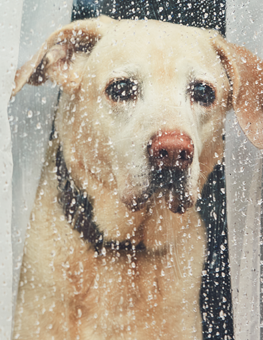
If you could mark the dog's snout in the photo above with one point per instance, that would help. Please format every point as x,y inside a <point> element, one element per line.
<point>172,149</point>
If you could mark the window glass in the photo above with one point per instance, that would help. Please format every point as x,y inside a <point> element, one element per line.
<point>54,147</point>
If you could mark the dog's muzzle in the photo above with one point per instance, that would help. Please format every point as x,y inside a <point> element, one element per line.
<point>170,156</point>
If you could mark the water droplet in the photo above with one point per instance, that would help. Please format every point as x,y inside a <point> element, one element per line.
<point>222,315</point>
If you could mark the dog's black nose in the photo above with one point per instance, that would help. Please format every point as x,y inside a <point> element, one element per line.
<point>171,150</point>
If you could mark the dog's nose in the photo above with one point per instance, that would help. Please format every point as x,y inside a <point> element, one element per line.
<point>171,149</point>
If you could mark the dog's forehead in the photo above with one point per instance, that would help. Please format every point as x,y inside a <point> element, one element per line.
<point>154,45</point>
<point>154,34</point>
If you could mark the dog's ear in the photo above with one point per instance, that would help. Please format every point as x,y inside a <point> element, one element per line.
<point>245,72</point>
<point>55,58</point>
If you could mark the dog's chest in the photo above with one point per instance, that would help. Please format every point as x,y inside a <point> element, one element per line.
<point>125,297</point>
<point>125,294</point>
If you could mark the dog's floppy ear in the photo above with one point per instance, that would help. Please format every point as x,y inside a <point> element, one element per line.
<point>54,59</point>
<point>245,71</point>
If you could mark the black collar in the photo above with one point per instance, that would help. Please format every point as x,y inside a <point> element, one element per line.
<point>78,210</point>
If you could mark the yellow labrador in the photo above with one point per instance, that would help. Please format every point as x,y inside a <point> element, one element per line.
<point>115,245</point>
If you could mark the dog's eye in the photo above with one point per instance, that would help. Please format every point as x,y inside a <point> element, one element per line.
<point>202,93</point>
<point>122,90</point>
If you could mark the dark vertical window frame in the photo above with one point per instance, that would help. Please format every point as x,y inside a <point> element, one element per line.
<point>199,13</point>
<point>215,295</point>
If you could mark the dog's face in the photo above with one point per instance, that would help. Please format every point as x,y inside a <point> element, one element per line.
<point>147,107</point>
<point>143,105</point>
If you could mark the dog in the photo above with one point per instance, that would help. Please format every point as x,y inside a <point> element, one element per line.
<point>115,245</point>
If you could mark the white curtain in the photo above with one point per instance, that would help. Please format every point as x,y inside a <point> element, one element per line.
<point>243,178</point>
<point>10,22</point>
<point>30,117</point>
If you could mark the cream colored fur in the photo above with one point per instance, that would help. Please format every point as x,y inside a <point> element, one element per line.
<point>68,292</point>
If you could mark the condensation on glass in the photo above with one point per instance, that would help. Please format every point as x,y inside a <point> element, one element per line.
<point>231,201</point>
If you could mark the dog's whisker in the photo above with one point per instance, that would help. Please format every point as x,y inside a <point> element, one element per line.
<point>117,141</point>
<point>203,176</point>
<point>204,165</point>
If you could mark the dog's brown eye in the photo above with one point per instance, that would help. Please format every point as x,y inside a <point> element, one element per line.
<point>202,93</point>
<point>122,90</point>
